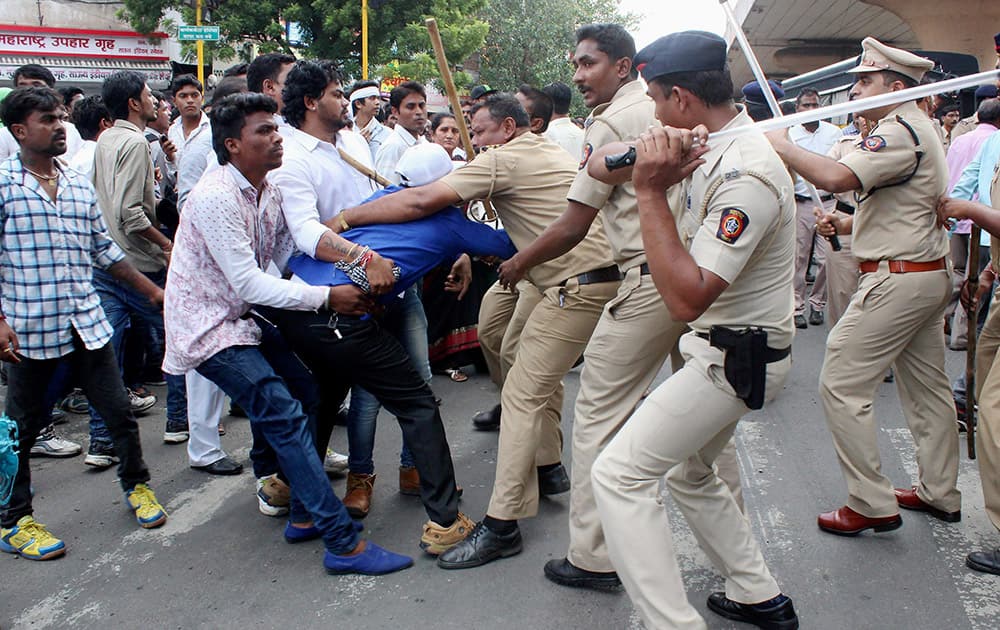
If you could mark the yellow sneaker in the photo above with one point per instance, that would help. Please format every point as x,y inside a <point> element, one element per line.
<point>29,539</point>
<point>148,510</point>
<point>436,539</point>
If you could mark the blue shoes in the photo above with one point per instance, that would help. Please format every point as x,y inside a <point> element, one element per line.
<point>374,560</point>
<point>303,534</point>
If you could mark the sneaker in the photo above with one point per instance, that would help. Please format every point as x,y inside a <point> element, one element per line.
<point>372,560</point>
<point>815,317</point>
<point>75,402</point>
<point>273,496</point>
<point>176,432</point>
<point>29,539</point>
<point>49,444</point>
<point>100,455</point>
<point>58,416</point>
<point>148,510</point>
<point>436,539</point>
<point>140,403</point>
<point>800,322</point>
<point>335,463</point>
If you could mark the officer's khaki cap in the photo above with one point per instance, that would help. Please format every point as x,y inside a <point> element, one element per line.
<point>876,56</point>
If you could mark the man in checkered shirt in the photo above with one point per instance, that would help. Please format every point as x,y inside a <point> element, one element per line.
<point>52,235</point>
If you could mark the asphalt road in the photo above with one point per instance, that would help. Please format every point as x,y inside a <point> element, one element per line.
<point>219,563</point>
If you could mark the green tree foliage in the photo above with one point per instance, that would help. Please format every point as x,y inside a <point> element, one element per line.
<point>531,41</point>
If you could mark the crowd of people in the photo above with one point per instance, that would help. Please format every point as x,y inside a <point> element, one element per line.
<point>293,243</point>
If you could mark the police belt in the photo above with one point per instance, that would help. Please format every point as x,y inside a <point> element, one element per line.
<point>904,266</point>
<point>799,197</point>
<point>846,208</point>
<point>771,355</point>
<point>604,274</point>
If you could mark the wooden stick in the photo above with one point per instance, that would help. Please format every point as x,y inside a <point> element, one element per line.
<point>361,168</point>
<point>456,105</point>
<point>970,356</point>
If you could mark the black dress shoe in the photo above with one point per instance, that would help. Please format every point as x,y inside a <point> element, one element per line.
<point>985,561</point>
<point>487,420</point>
<point>480,547</point>
<point>561,571</point>
<point>769,615</point>
<point>224,466</point>
<point>554,481</point>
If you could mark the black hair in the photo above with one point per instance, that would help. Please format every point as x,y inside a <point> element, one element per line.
<point>266,67</point>
<point>229,116</point>
<point>806,92</point>
<point>439,118</point>
<point>21,102</point>
<point>384,111</point>
<point>68,93</point>
<point>711,87</point>
<point>561,97</point>
<point>947,108</point>
<point>787,108</point>
<point>357,86</point>
<point>403,90</point>
<point>119,88</point>
<point>34,71</point>
<point>502,106</point>
<point>306,79</point>
<point>184,80</point>
<point>989,111</point>
<point>612,40</point>
<point>541,104</point>
<point>159,96</point>
<point>88,114</point>
<point>236,71</point>
<point>228,85</point>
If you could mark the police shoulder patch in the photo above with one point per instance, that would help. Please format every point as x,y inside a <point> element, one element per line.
<point>588,149</point>
<point>873,143</point>
<point>732,224</point>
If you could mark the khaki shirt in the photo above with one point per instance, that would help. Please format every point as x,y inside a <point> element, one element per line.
<point>123,177</point>
<point>527,180</point>
<point>844,146</point>
<point>629,114</point>
<point>899,222</point>
<point>745,235</point>
<point>964,126</point>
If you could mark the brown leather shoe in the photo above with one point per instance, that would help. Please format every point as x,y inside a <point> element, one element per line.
<point>409,481</point>
<point>847,522</point>
<point>358,499</point>
<point>908,499</point>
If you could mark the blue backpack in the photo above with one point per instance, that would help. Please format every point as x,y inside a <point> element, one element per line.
<point>8,457</point>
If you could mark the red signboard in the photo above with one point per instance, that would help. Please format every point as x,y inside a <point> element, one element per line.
<point>17,39</point>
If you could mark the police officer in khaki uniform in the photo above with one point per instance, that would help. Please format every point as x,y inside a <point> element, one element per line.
<point>636,332</point>
<point>896,314</point>
<point>734,285</point>
<point>987,371</point>
<point>527,179</point>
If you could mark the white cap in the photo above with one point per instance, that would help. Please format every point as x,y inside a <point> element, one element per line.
<point>422,164</point>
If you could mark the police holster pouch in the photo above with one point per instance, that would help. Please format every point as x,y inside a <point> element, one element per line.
<point>746,359</point>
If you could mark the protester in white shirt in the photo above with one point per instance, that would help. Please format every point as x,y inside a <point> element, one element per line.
<point>365,102</point>
<point>191,133</point>
<point>91,117</point>
<point>408,102</point>
<point>561,129</point>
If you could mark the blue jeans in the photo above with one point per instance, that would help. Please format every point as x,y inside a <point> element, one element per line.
<point>259,379</point>
<point>119,300</point>
<point>406,321</point>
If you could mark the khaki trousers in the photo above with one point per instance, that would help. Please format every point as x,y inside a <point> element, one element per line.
<point>500,326</point>
<point>805,234</point>
<point>679,431</point>
<point>555,334</point>
<point>893,319</point>
<point>988,430</point>
<point>841,280</point>
<point>630,344</point>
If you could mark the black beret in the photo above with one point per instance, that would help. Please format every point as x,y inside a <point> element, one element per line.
<point>753,93</point>
<point>689,51</point>
<point>996,40</point>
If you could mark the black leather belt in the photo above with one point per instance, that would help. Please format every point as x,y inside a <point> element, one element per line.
<point>771,355</point>
<point>604,274</point>
<point>644,269</point>
<point>846,208</point>
<point>799,197</point>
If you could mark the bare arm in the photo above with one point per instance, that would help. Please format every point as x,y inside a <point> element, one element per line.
<point>558,238</point>
<point>823,171</point>
<point>982,215</point>
<point>599,171</point>
<point>664,159</point>
<point>124,271</point>
<point>400,207</point>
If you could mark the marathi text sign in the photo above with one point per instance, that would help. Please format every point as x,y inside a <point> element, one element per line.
<point>157,78</point>
<point>19,40</point>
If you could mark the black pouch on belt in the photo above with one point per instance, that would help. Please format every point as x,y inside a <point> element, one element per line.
<point>745,361</point>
